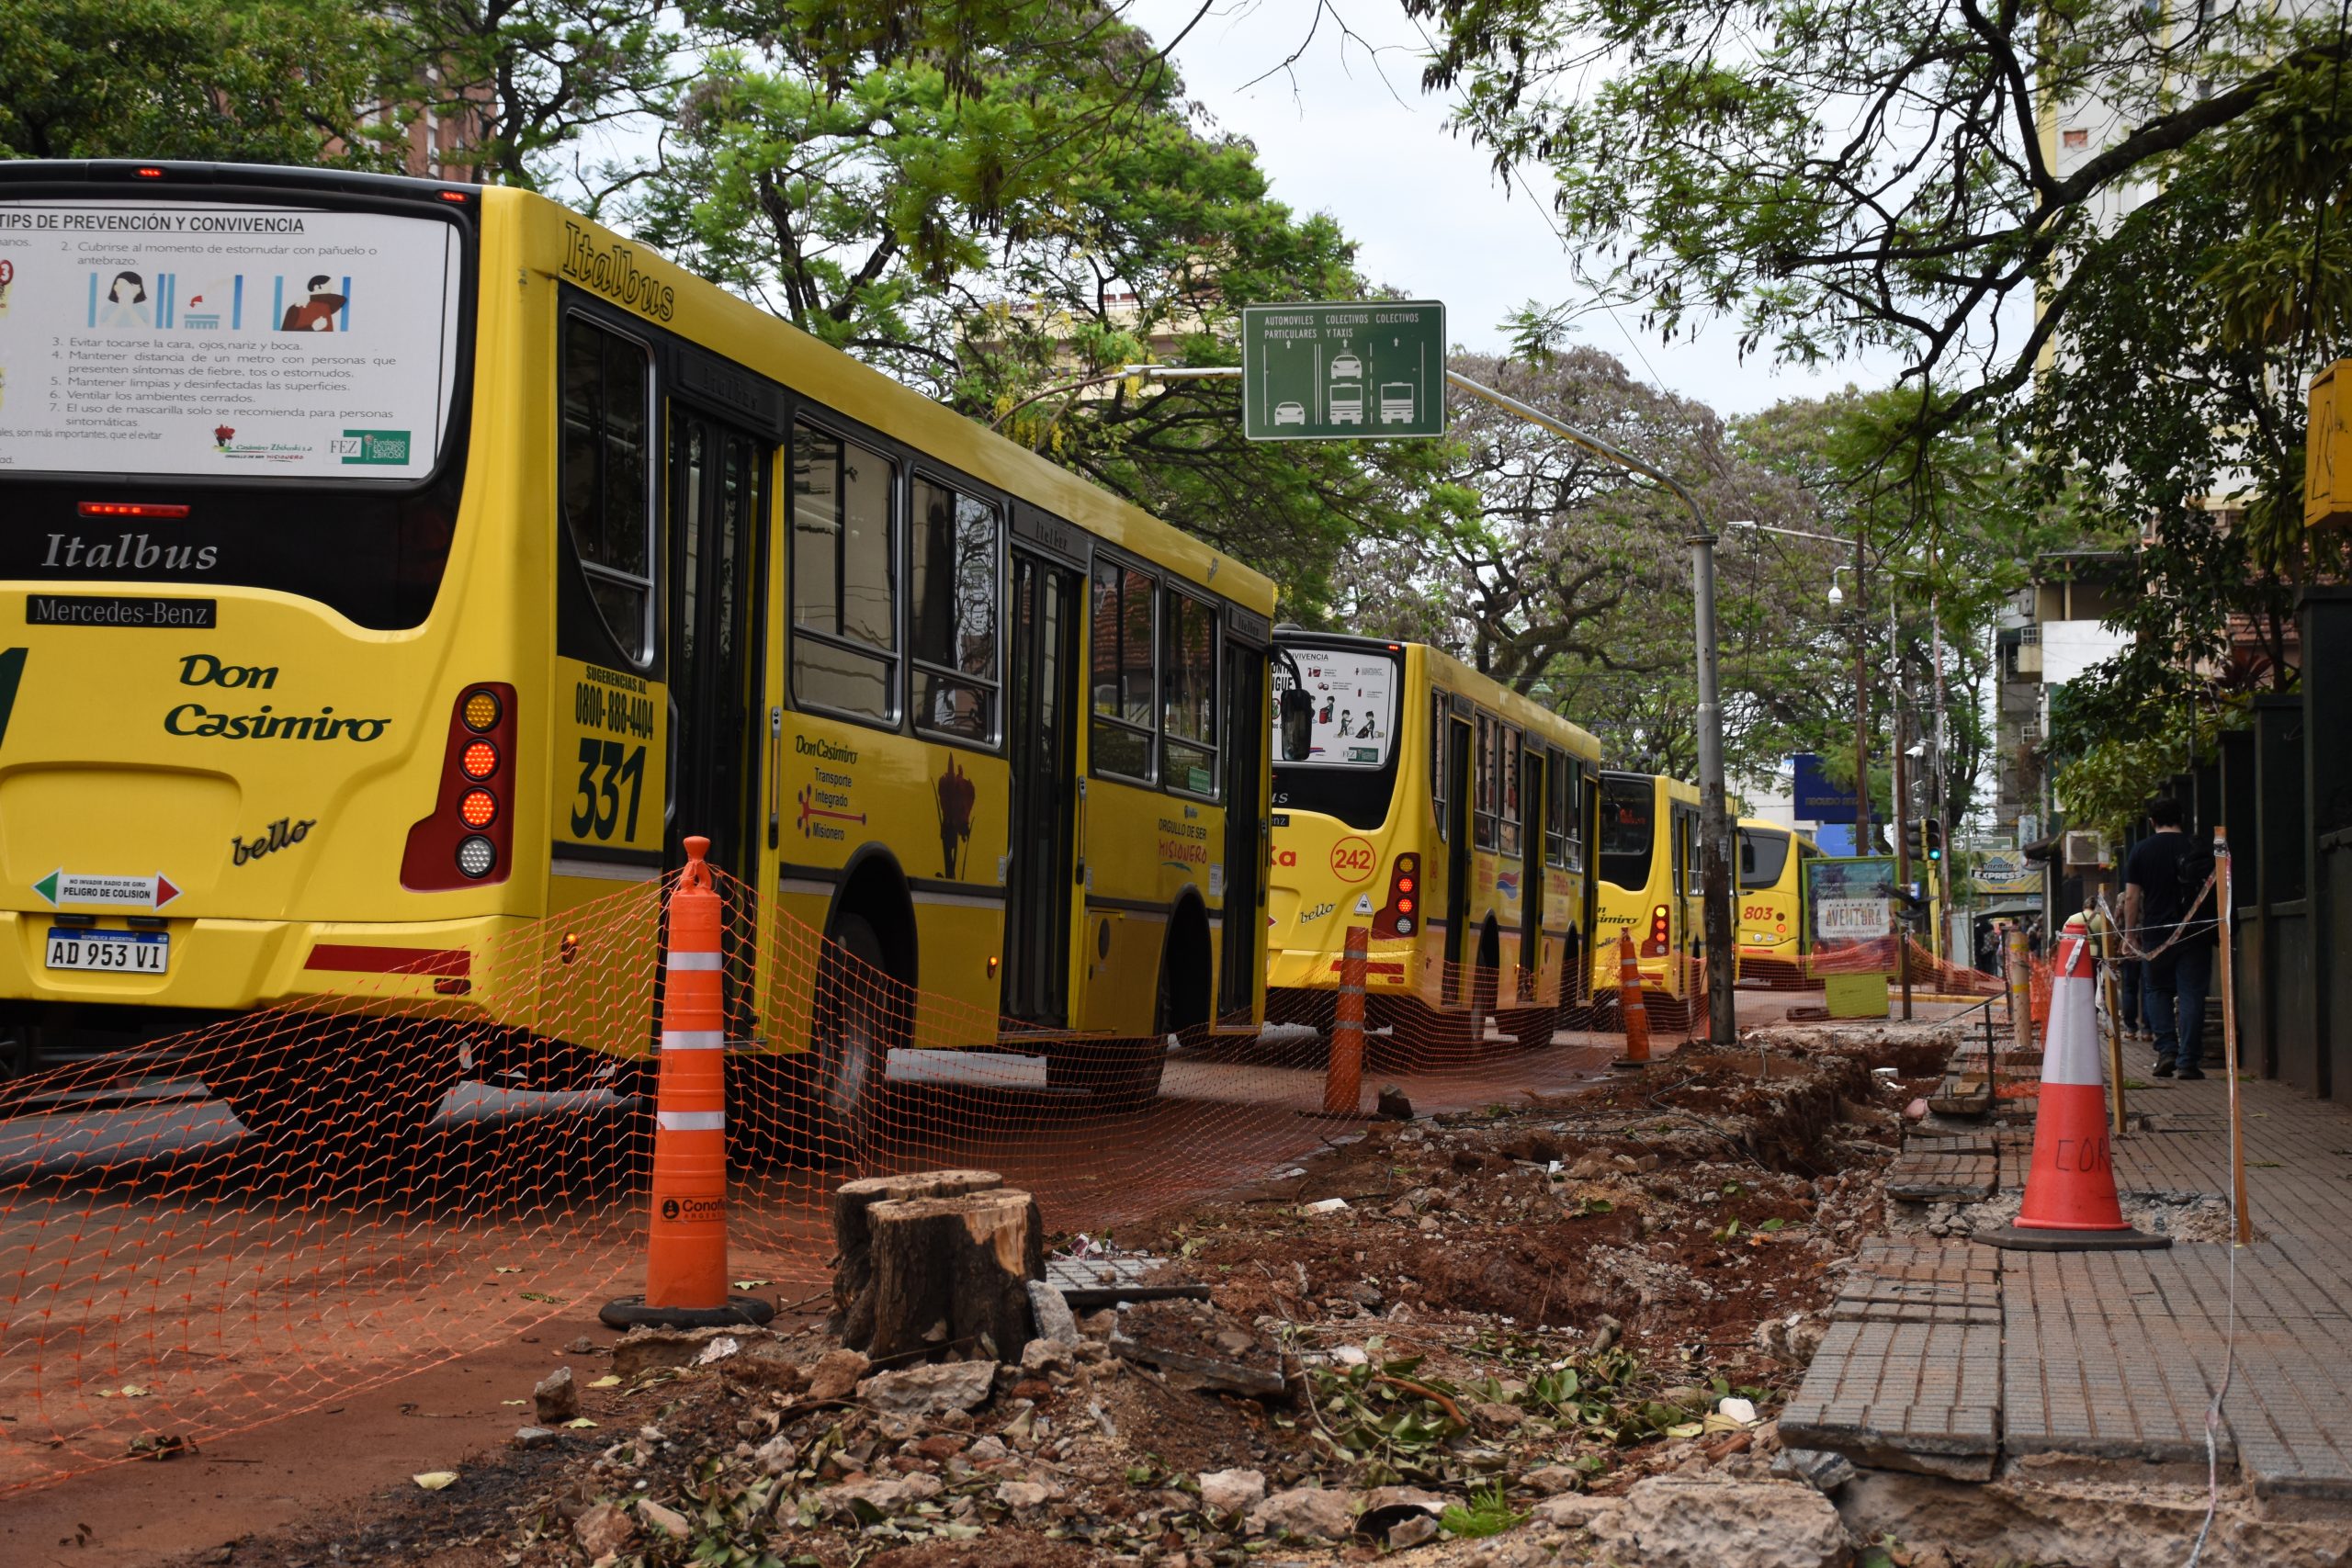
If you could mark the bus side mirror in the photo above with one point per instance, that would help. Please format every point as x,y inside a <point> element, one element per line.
<point>1298,724</point>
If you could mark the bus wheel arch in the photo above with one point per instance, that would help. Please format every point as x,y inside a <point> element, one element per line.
<point>1187,970</point>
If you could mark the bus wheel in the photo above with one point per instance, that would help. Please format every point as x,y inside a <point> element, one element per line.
<point>339,1093</point>
<point>1533,1026</point>
<point>849,1050</point>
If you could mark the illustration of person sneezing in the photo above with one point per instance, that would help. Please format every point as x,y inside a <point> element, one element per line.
<point>316,314</point>
<point>126,303</point>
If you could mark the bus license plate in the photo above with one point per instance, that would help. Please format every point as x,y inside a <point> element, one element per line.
<point>134,952</point>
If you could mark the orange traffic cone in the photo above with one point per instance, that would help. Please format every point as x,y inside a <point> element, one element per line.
<point>685,1264</point>
<point>2070,1203</point>
<point>1630,1008</point>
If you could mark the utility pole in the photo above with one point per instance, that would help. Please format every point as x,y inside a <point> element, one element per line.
<point>1714,822</point>
<point>1861,700</point>
<point>1901,813</point>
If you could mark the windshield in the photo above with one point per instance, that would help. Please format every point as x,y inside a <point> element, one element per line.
<point>1763,854</point>
<point>260,394</point>
<point>1354,693</point>
<point>1628,826</point>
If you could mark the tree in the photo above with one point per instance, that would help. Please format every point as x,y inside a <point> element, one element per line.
<point>1035,204</point>
<point>1842,175</point>
<point>524,79</point>
<point>237,81</point>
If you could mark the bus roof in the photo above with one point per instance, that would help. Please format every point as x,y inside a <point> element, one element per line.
<point>1484,690</point>
<point>718,321</point>
<point>1761,825</point>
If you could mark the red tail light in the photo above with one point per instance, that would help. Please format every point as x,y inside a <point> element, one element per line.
<point>1661,933</point>
<point>470,837</point>
<point>1399,916</point>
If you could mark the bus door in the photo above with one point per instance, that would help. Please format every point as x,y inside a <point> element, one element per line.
<point>1531,877</point>
<point>718,498</point>
<point>1246,734</point>
<point>1041,869</point>
<point>1460,786</point>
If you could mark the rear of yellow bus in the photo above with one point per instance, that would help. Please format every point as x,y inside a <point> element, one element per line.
<point>260,724</point>
<point>1351,822</point>
<point>1769,923</point>
<point>1637,882</point>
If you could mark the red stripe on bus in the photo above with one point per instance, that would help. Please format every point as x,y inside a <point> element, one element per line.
<point>354,959</point>
<point>1374,968</point>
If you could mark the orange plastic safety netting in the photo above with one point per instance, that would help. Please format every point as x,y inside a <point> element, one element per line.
<point>273,1213</point>
<point>1877,956</point>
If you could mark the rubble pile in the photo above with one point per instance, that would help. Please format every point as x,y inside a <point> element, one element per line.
<point>1546,1333</point>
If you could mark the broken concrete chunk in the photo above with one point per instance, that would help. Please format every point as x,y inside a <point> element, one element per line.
<point>1675,1521</point>
<point>929,1390</point>
<point>836,1373</point>
<point>1047,1356</point>
<point>1819,1467</point>
<point>777,1455</point>
<point>1572,1510</point>
<point>1232,1491</point>
<point>1411,1532</point>
<point>557,1397</point>
<point>668,1521</point>
<point>528,1438</point>
<point>1051,1310</point>
<point>647,1349</point>
<point>603,1529</point>
<point>1023,1494</point>
<point>1309,1513</point>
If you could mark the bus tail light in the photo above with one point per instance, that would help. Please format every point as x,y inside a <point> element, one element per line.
<point>468,839</point>
<point>1661,933</point>
<point>1401,916</point>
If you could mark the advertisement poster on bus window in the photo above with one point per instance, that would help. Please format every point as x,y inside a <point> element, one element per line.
<point>170,338</point>
<point>1355,706</point>
<point>1851,901</point>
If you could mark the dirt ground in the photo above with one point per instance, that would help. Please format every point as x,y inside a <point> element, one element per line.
<point>1482,1320</point>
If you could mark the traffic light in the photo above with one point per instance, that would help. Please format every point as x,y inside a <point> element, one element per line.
<point>1930,841</point>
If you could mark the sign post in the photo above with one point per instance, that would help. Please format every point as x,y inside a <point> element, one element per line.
<point>1343,371</point>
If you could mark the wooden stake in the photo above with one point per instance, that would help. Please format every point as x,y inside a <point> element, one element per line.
<point>955,1270</point>
<point>2113,994</point>
<point>852,1243</point>
<point>2224,918</point>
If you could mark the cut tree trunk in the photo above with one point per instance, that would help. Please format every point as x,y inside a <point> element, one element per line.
<point>853,1247</point>
<point>954,1271</point>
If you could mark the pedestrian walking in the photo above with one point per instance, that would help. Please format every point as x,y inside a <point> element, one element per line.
<point>2168,910</point>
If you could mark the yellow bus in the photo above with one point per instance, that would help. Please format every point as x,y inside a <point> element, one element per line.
<point>1444,813</point>
<point>1649,886</point>
<point>392,567</point>
<point>1771,901</point>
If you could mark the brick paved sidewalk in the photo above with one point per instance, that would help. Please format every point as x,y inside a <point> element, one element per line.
<point>2114,1356</point>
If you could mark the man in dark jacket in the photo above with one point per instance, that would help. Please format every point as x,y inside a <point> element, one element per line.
<point>2170,914</point>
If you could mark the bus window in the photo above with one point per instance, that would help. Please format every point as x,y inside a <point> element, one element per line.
<point>845,642</point>
<point>1628,829</point>
<point>1188,706</point>
<point>604,482</point>
<point>954,576</point>
<point>1121,622</point>
<point>1559,819</point>
<point>1763,855</point>
<point>1439,792</point>
<point>1484,767</point>
<point>1509,780</point>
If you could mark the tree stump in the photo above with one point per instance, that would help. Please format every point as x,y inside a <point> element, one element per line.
<point>853,1316</point>
<point>955,1270</point>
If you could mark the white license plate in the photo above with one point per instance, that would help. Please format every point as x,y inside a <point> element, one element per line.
<point>132,952</point>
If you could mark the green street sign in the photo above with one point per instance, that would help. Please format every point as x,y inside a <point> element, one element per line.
<point>1351,371</point>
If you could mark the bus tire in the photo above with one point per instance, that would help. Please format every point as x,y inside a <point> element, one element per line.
<point>327,1093</point>
<point>849,1045</point>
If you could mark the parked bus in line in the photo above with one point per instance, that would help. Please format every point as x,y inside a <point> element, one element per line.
<point>1649,886</point>
<point>457,557</point>
<point>1771,927</point>
<point>1448,816</point>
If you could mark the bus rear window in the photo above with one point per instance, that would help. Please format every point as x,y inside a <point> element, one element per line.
<point>1355,708</point>
<point>1628,829</point>
<point>1349,768</point>
<point>1762,856</point>
<point>248,394</point>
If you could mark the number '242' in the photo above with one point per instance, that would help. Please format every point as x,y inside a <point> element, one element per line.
<point>597,808</point>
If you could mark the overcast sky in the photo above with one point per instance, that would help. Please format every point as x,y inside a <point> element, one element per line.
<point>1348,132</point>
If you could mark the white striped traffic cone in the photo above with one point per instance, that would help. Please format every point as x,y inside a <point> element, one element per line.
<point>2070,1203</point>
